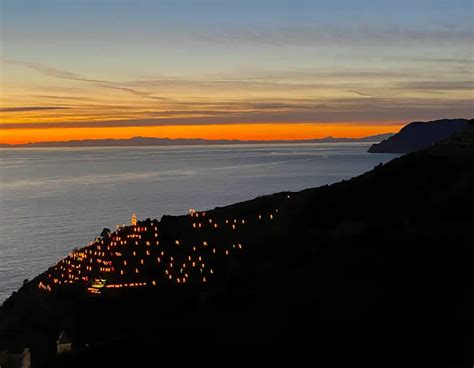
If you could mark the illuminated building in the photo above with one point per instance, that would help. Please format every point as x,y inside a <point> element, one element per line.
<point>63,343</point>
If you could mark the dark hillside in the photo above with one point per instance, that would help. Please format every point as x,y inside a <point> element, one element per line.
<point>419,135</point>
<point>389,253</point>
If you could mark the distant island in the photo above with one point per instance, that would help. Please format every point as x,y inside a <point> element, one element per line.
<point>419,135</point>
<point>388,252</point>
<point>150,141</point>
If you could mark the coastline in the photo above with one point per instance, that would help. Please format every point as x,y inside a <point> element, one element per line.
<point>321,254</point>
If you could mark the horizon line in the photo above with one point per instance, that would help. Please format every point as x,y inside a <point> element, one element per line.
<point>196,139</point>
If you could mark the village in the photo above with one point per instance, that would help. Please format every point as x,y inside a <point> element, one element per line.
<point>139,256</point>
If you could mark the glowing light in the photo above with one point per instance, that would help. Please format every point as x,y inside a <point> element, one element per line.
<point>98,283</point>
<point>93,290</point>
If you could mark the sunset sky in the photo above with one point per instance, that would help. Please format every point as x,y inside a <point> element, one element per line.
<point>260,69</point>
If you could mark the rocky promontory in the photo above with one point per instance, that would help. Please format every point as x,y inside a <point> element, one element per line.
<point>419,135</point>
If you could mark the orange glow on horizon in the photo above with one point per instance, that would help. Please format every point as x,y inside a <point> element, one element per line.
<point>230,131</point>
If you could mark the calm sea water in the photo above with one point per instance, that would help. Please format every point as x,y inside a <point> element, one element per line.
<point>55,199</point>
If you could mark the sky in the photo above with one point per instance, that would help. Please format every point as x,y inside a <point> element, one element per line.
<point>261,69</point>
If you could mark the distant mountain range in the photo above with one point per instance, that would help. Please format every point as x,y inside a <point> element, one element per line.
<point>149,141</point>
<point>419,135</point>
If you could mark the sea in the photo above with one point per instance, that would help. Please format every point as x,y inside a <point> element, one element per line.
<point>53,200</point>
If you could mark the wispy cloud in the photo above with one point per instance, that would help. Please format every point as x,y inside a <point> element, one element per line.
<point>260,34</point>
<point>32,108</point>
<point>438,85</point>
<point>300,111</point>
<point>321,35</point>
<point>359,93</point>
<point>62,98</point>
<point>348,95</point>
<point>64,74</point>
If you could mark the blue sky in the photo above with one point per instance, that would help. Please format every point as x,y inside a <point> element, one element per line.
<point>44,31</point>
<point>322,60</point>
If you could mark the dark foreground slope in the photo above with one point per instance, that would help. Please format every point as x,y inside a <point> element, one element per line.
<point>388,253</point>
<point>419,135</point>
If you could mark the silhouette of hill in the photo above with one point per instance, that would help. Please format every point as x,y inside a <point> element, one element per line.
<point>389,253</point>
<point>419,135</point>
<point>149,141</point>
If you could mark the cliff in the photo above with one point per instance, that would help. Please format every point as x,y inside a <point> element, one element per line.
<point>388,252</point>
<point>419,135</point>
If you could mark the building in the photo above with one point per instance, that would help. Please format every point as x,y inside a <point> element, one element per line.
<point>15,360</point>
<point>105,233</point>
<point>134,219</point>
<point>63,343</point>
